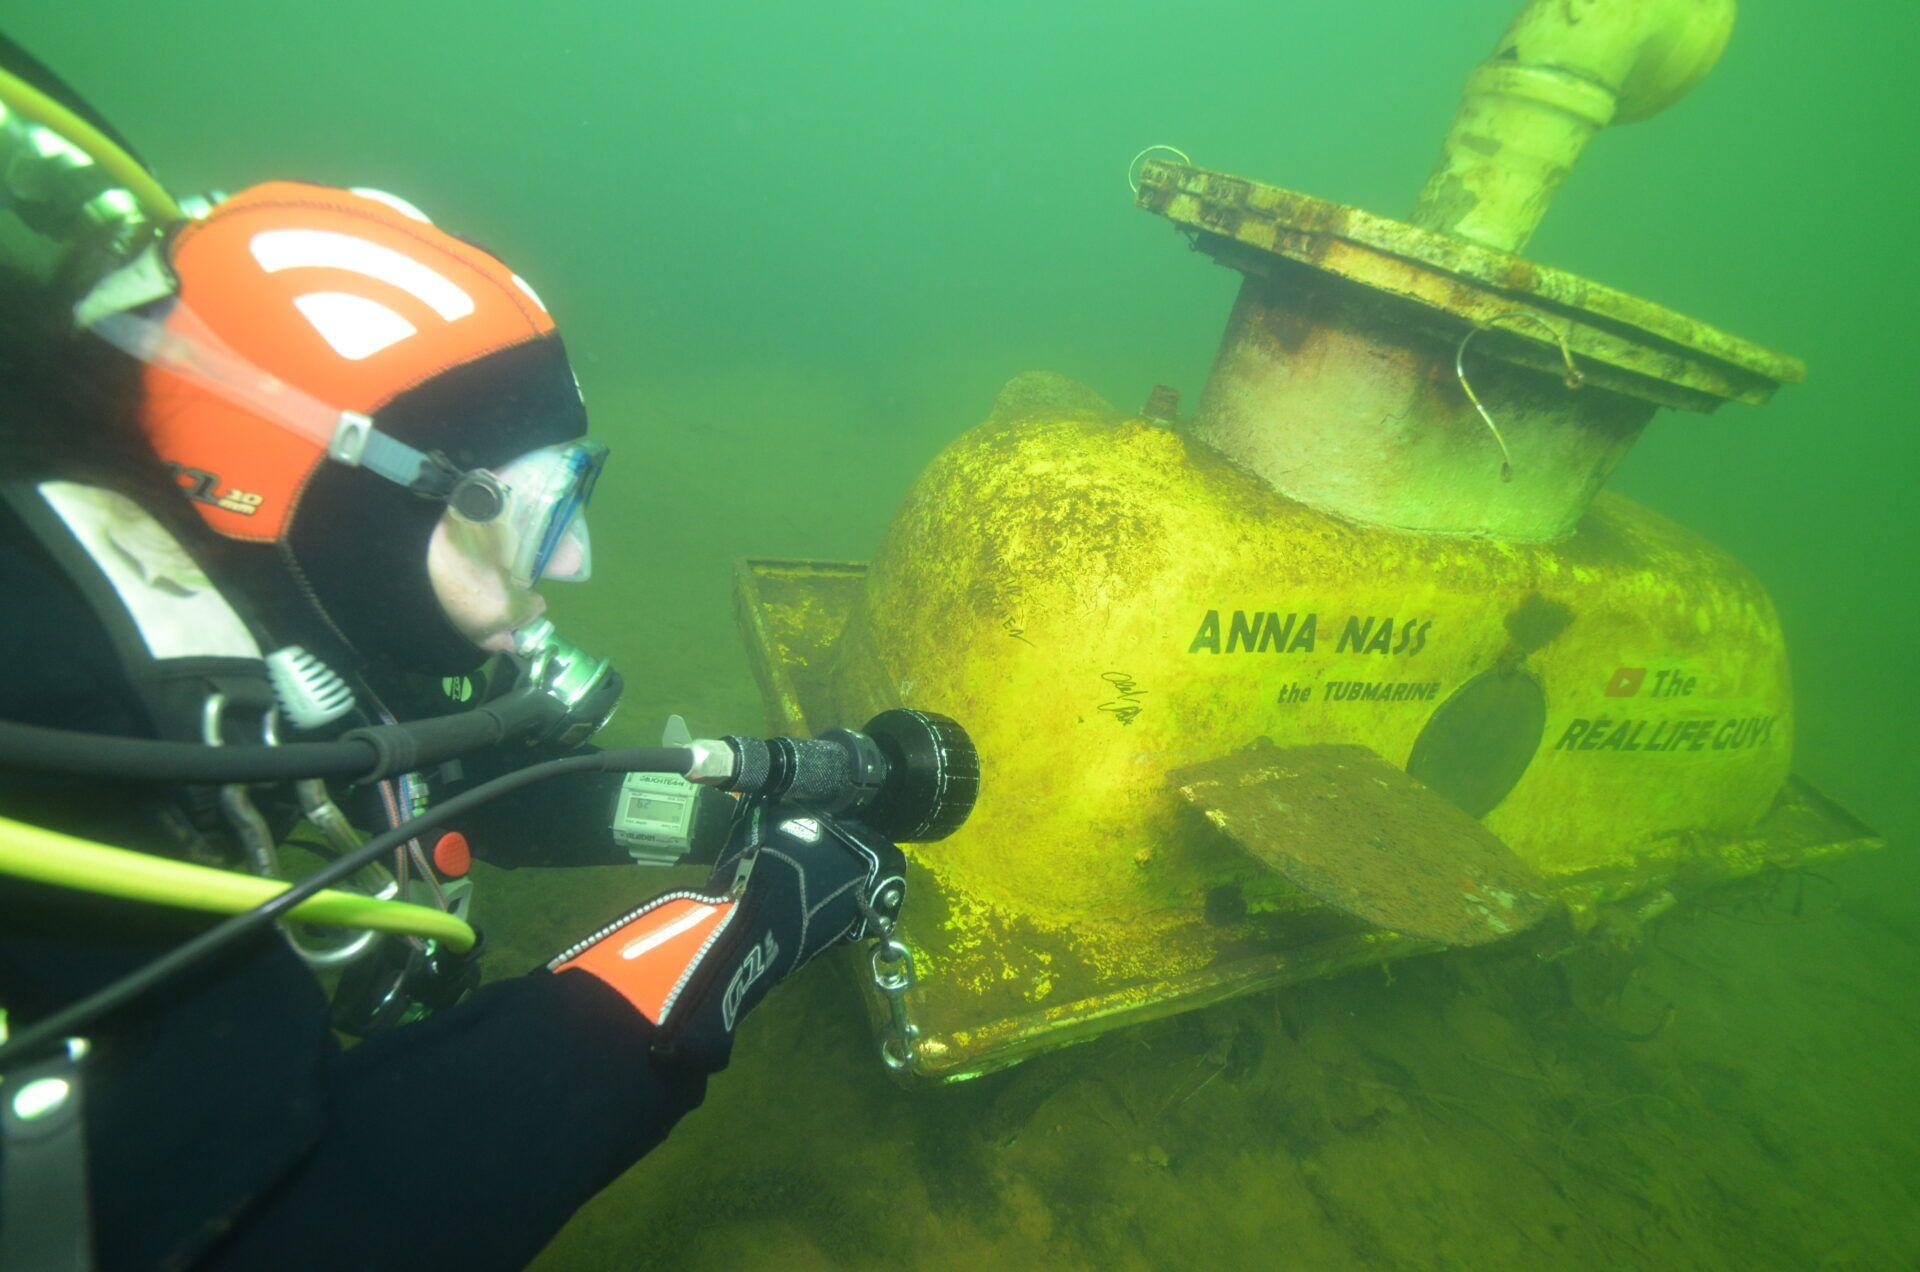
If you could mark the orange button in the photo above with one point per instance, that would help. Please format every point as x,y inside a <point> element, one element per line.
<point>451,856</point>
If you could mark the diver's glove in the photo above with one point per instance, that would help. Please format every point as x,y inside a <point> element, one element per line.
<point>694,962</point>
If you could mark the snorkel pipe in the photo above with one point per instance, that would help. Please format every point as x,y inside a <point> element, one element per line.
<point>1563,70</point>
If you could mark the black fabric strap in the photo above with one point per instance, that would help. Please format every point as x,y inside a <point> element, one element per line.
<point>173,690</point>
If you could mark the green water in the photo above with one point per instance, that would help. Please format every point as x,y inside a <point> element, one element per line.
<point>796,248</point>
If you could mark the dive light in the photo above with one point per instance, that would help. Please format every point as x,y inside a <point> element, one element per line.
<point>913,776</point>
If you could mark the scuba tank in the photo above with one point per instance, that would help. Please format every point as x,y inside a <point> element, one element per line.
<point>75,201</point>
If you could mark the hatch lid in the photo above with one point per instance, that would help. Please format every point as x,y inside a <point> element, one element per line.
<point>1622,342</point>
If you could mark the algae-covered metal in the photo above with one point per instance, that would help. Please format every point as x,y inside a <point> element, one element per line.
<point>1104,601</point>
<point>1342,377</point>
<point>1162,921</point>
<point>1332,556</point>
<point>1357,834</point>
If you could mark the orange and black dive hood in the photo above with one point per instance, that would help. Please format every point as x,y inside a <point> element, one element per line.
<point>327,331</point>
<point>350,298</point>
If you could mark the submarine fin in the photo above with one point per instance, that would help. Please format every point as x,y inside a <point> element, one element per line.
<point>1352,831</point>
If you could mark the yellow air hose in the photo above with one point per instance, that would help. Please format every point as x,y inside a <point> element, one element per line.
<point>32,104</point>
<point>46,856</point>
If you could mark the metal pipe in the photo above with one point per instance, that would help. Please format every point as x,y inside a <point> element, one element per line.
<point>1564,70</point>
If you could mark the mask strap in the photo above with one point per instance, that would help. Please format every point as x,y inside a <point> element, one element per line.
<point>187,347</point>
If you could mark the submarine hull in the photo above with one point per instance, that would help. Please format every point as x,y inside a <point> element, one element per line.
<point>1105,600</point>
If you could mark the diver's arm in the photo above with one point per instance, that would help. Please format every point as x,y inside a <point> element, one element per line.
<point>467,1139</point>
<point>484,1127</point>
<point>569,820</point>
<point>565,821</point>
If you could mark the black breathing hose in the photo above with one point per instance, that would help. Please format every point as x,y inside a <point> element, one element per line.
<point>28,748</point>
<point>51,1030</point>
<point>362,755</point>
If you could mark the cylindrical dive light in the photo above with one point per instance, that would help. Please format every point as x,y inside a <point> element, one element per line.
<point>913,776</point>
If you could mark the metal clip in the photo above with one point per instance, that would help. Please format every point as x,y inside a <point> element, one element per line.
<point>893,973</point>
<point>1133,164</point>
<point>349,443</point>
<point>248,826</point>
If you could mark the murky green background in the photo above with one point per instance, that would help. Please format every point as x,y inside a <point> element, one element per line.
<point>796,248</point>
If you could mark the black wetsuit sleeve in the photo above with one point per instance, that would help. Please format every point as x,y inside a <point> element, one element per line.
<point>568,821</point>
<point>466,1140</point>
<point>462,1140</point>
<point>563,821</point>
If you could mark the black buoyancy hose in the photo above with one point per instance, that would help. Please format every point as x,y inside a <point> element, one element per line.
<point>69,1020</point>
<point>32,749</point>
<point>362,755</point>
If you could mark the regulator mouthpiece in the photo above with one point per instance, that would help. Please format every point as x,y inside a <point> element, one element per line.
<point>588,688</point>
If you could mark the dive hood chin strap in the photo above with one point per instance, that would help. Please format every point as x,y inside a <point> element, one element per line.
<point>186,346</point>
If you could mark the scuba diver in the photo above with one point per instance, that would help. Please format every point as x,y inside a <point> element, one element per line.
<point>281,475</point>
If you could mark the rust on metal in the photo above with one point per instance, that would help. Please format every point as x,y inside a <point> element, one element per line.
<point>1354,832</point>
<point>1641,348</point>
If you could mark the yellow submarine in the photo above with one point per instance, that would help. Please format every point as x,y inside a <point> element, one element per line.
<point>1357,662</point>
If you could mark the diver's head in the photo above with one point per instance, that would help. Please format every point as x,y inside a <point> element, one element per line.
<point>384,409</point>
<point>484,568</point>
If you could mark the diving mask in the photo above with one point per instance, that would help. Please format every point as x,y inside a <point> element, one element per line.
<point>543,501</point>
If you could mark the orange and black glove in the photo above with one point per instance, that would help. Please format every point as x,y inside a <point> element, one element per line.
<point>693,963</point>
